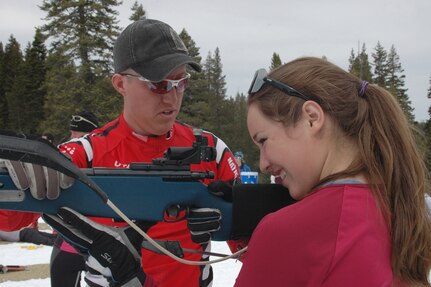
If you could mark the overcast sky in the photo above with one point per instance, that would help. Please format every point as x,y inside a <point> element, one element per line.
<point>247,32</point>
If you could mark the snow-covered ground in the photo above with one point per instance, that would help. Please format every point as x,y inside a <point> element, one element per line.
<point>27,254</point>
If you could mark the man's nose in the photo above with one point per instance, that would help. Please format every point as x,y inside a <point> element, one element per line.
<point>171,97</point>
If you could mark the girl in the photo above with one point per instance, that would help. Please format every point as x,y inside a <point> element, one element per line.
<point>344,148</point>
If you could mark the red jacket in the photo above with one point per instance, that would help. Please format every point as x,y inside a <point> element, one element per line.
<point>15,220</point>
<point>334,237</point>
<point>116,145</point>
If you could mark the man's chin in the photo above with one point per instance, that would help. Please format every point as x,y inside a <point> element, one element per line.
<point>160,131</point>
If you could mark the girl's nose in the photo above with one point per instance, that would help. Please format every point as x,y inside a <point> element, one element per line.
<point>263,163</point>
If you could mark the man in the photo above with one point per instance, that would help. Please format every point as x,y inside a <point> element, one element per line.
<point>239,159</point>
<point>82,123</point>
<point>150,62</point>
<point>12,230</point>
<point>65,263</point>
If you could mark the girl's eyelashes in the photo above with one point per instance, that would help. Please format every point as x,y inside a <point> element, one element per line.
<point>258,139</point>
<point>261,141</point>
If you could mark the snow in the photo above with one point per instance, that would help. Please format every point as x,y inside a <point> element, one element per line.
<point>27,254</point>
<point>225,272</point>
<point>33,283</point>
<point>24,254</point>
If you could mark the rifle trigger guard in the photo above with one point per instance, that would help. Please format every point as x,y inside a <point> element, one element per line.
<point>174,213</point>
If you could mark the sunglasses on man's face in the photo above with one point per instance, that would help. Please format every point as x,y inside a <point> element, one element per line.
<point>77,118</point>
<point>164,86</point>
<point>260,79</point>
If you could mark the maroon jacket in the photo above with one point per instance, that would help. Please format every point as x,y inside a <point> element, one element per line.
<point>334,237</point>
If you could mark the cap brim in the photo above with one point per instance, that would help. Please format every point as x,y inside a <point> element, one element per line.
<point>160,68</point>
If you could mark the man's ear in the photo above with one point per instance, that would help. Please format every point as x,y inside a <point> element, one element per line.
<point>118,83</point>
<point>313,114</point>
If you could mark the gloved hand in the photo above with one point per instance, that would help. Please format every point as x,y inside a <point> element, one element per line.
<point>94,277</point>
<point>42,181</point>
<point>113,252</point>
<point>202,221</point>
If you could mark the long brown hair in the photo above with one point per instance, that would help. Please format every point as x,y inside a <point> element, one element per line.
<point>388,155</point>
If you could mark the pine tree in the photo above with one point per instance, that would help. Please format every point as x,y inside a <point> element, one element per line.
<point>85,31</point>
<point>213,70</point>
<point>219,82</point>
<point>27,93</point>
<point>12,61</point>
<point>360,66</point>
<point>240,138</point>
<point>366,73</point>
<point>63,85</point>
<point>73,95</point>
<point>354,64</point>
<point>230,130</point>
<point>192,49</point>
<point>35,91</point>
<point>275,61</point>
<point>395,83</point>
<point>80,63</point>
<point>380,66</point>
<point>138,12</point>
<point>195,109</point>
<point>207,122</point>
<point>17,97</point>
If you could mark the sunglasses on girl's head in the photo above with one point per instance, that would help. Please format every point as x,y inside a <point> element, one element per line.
<point>260,79</point>
<point>77,118</point>
<point>164,86</point>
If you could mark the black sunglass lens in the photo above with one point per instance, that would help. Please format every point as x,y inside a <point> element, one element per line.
<point>251,89</point>
<point>258,81</point>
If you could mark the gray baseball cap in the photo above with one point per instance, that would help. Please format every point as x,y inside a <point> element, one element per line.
<point>151,48</point>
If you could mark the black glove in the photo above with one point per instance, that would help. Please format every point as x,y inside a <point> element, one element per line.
<point>112,251</point>
<point>202,221</point>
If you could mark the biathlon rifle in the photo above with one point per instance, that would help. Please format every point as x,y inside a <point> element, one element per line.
<point>144,191</point>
